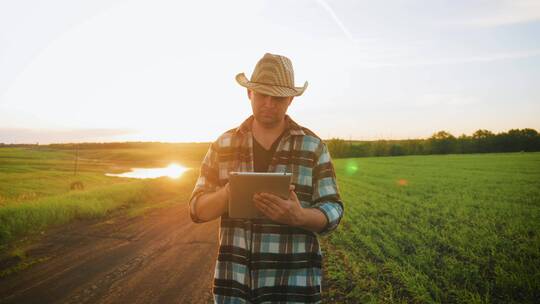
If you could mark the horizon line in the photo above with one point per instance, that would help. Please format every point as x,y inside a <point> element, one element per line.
<point>205,142</point>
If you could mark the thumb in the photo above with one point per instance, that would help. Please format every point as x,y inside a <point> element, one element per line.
<point>227,189</point>
<point>293,194</point>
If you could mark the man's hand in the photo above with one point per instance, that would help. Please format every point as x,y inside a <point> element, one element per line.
<point>211,205</point>
<point>288,211</point>
<point>225,192</point>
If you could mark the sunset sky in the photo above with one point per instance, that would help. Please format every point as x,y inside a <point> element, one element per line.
<point>84,71</point>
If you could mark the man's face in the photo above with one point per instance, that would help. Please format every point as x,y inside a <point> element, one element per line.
<point>268,110</point>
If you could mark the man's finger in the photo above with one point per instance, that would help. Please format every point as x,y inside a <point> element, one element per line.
<point>271,197</point>
<point>264,200</point>
<point>267,210</point>
<point>294,196</point>
<point>271,203</point>
<point>260,206</point>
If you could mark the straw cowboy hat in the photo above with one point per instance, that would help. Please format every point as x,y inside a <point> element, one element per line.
<point>274,76</point>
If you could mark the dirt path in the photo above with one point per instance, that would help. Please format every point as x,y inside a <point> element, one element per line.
<point>160,257</point>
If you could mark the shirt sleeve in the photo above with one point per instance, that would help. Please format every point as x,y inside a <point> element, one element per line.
<point>208,180</point>
<point>326,195</point>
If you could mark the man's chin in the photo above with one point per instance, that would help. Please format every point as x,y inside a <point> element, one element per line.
<point>267,120</point>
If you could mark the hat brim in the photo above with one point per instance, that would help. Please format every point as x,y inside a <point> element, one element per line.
<point>270,89</point>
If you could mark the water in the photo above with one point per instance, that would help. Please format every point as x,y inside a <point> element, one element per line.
<point>173,171</point>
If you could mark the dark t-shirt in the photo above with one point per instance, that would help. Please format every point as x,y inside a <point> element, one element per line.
<point>262,157</point>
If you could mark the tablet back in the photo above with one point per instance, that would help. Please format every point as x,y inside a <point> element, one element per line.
<point>243,185</point>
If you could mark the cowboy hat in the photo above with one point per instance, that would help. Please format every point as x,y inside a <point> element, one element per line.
<point>273,75</point>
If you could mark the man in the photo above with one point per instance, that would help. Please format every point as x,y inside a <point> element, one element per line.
<point>278,258</point>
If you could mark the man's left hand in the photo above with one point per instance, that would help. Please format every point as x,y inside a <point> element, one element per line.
<point>283,211</point>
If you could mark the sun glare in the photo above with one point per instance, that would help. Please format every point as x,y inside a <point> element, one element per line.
<point>173,171</point>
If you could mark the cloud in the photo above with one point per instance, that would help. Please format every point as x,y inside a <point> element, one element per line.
<point>336,19</point>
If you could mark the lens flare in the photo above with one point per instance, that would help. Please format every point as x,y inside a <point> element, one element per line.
<point>402,182</point>
<point>351,167</point>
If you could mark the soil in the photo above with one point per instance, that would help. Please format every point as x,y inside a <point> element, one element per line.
<point>158,257</point>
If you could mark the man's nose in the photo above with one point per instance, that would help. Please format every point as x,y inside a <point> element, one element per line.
<point>268,101</point>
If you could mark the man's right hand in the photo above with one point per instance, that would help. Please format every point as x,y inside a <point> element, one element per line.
<point>212,205</point>
<point>225,193</point>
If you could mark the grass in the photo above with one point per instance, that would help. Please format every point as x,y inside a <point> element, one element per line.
<point>416,229</point>
<point>18,219</point>
<point>437,229</point>
<point>35,186</point>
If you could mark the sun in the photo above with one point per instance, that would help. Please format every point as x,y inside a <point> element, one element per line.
<point>174,170</point>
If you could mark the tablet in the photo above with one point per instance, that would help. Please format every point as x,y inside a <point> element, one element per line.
<point>243,185</point>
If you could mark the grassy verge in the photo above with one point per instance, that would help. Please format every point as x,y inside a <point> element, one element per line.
<point>21,225</point>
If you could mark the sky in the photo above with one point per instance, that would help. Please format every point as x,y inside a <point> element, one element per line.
<point>103,71</point>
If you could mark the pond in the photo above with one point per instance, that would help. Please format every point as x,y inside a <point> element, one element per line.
<point>173,171</point>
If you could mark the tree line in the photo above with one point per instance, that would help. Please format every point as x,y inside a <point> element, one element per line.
<point>441,142</point>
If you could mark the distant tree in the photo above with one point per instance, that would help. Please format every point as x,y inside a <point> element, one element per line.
<point>464,144</point>
<point>503,142</point>
<point>360,149</point>
<point>415,146</point>
<point>337,147</point>
<point>379,148</point>
<point>396,149</point>
<point>442,142</point>
<point>525,139</point>
<point>483,141</point>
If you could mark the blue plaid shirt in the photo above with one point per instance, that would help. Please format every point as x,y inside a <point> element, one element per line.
<point>260,260</point>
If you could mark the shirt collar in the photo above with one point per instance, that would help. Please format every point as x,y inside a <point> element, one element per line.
<point>291,127</point>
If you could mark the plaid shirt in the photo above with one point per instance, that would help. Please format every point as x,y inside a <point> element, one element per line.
<point>260,260</point>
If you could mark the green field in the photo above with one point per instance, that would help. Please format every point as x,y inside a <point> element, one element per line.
<point>35,184</point>
<point>417,229</point>
<point>429,229</point>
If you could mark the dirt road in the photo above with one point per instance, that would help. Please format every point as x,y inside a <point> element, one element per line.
<point>160,257</point>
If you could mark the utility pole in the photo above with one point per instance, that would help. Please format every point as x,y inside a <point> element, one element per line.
<point>76,159</point>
